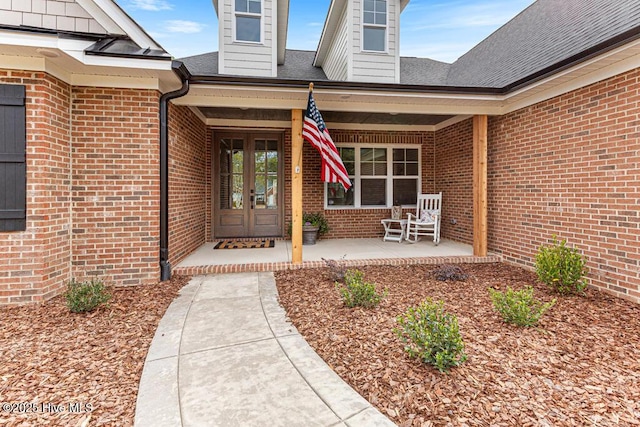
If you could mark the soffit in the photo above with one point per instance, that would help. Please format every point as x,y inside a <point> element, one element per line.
<point>365,118</point>
<point>74,67</point>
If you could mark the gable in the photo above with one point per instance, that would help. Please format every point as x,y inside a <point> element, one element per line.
<point>50,14</point>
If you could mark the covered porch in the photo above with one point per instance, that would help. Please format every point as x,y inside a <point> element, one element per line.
<point>212,123</point>
<point>348,252</point>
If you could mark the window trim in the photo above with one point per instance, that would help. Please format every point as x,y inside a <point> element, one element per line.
<point>234,24</point>
<point>385,26</point>
<point>357,178</point>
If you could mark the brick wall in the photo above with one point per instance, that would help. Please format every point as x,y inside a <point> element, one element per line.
<point>570,166</point>
<point>116,184</point>
<point>35,264</point>
<point>454,177</point>
<point>188,201</point>
<point>353,223</point>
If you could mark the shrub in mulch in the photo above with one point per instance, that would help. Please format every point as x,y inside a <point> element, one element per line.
<point>450,273</point>
<point>84,362</point>
<point>579,366</point>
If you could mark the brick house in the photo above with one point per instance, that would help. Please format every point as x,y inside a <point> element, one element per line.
<point>116,160</point>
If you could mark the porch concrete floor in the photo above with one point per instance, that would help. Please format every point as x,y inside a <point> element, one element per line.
<point>350,249</point>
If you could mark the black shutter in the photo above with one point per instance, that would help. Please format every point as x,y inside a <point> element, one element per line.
<point>13,168</point>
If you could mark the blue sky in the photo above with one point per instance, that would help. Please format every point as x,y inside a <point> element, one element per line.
<point>437,29</point>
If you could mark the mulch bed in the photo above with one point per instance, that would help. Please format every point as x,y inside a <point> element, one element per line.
<point>54,360</point>
<point>580,366</point>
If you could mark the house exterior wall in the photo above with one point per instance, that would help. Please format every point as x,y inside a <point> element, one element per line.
<point>373,66</point>
<point>248,59</point>
<point>35,263</point>
<point>63,15</point>
<point>570,166</point>
<point>353,223</point>
<point>336,65</point>
<point>188,202</point>
<point>116,184</point>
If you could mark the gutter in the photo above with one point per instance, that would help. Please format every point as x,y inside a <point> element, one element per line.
<point>184,75</point>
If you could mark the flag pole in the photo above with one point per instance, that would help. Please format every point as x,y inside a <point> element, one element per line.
<point>311,87</point>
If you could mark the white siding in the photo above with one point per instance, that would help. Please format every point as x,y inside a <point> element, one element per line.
<point>373,66</point>
<point>336,65</point>
<point>247,59</point>
<point>64,15</point>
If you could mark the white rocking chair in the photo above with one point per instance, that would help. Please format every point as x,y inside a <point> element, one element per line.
<point>426,221</point>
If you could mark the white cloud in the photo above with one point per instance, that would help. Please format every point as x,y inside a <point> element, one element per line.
<point>152,5</point>
<point>186,27</point>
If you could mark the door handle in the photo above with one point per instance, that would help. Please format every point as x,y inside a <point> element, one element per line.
<point>252,200</point>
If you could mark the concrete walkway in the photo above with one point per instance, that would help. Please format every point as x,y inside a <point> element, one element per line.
<point>225,355</point>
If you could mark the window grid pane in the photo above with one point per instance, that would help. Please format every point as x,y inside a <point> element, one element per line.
<point>405,191</point>
<point>374,192</point>
<point>373,161</point>
<point>337,196</point>
<point>247,28</point>
<point>374,39</point>
<point>248,6</point>
<point>404,163</point>
<point>375,12</point>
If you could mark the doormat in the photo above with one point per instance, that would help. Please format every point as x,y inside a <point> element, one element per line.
<point>248,244</point>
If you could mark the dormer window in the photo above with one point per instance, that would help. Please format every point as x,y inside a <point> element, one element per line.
<point>374,25</point>
<point>248,20</point>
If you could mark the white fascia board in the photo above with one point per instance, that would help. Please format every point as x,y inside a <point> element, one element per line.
<point>329,29</point>
<point>12,38</point>
<point>275,41</point>
<point>114,20</point>
<point>108,61</point>
<point>282,28</point>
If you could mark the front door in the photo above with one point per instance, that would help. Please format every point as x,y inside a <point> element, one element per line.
<point>247,179</point>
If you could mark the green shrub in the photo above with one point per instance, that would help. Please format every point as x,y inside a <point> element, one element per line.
<point>86,296</point>
<point>448,272</point>
<point>432,335</point>
<point>561,268</point>
<point>519,307</point>
<point>357,292</point>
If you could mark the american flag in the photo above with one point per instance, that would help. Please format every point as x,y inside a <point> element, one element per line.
<point>315,131</point>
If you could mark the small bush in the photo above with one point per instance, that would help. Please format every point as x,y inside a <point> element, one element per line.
<point>86,296</point>
<point>561,268</point>
<point>336,269</point>
<point>357,292</point>
<point>432,335</point>
<point>519,307</point>
<point>449,272</point>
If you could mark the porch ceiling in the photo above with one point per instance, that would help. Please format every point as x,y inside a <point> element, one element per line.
<point>255,114</point>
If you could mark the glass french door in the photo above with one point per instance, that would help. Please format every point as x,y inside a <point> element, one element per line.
<point>247,178</point>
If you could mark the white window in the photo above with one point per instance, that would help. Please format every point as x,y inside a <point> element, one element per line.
<point>248,16</point>
<point>374,25</point>
<point>381,176</point>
